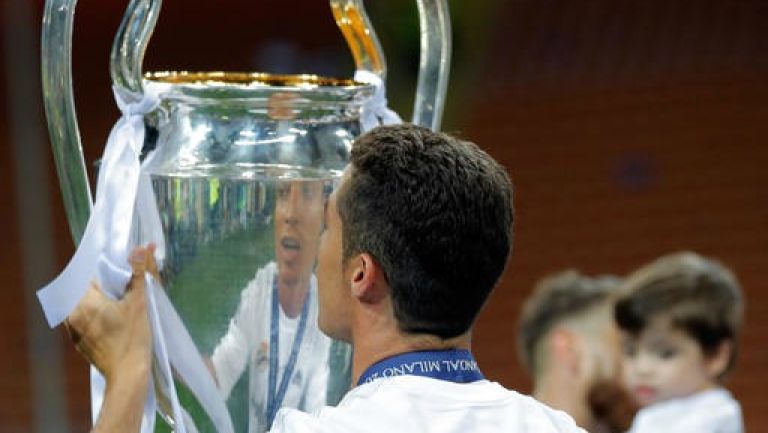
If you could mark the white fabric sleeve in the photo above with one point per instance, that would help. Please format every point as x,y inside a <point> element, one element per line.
<point>231,354</point>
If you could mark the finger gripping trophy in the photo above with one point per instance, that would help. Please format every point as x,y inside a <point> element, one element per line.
<point>228,174</point>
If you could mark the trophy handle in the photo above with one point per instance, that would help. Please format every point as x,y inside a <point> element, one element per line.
<point>434,63</point>
<point>130,44</point>
<point>56,68</point>
<point>435,59</point>
<point>354,24</point>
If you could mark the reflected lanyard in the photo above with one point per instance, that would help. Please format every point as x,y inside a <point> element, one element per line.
<point>454,365</point>
<point>275,399</point>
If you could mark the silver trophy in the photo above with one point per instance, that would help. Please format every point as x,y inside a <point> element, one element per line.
<point>240,166</point>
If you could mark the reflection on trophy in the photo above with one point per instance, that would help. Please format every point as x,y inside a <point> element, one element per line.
<point>272,333</point>
<point>238,169</point>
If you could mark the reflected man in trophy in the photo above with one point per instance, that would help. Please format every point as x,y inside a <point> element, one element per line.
<point>274,330</point>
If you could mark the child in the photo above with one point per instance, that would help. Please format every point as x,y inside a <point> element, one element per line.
<point>680,318</point>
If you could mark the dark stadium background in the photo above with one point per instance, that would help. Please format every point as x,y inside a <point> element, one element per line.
<point>630,129</point>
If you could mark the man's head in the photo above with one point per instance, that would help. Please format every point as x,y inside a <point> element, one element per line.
<point>298,223</point>
<point>565,307</point>
<point>570,345</point>
<point>432,214</point>
<point>681,317</point>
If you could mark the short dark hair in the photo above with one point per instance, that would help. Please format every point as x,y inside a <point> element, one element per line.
<point>436,213</point>
<point>556,298</point>
<point>698,295</point>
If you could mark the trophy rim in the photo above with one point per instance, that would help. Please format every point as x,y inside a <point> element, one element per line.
<point>252,79</point>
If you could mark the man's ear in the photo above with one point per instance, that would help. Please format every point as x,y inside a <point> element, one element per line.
<point>718,361</point>
<point>364,273</point>
<point>565,348</point>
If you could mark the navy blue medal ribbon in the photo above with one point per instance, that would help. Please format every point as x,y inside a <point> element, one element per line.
<point>276,395</point>
<point>454,365</point>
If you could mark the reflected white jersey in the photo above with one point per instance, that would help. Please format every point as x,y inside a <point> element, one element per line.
<point>247,342</point>
<point>416,404</point>
<point>712,411</point>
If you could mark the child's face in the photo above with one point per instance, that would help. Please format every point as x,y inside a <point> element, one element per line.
<point>664,362</point>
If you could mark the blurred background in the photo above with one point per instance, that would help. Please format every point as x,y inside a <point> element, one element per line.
<point>630,128</point>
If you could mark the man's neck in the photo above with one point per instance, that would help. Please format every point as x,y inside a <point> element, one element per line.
<point>563,393</point>
<point>374,347</point>
<point>292,296</point>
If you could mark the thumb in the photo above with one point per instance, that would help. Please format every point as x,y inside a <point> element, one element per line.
<point>138,262</point>
<point>151,263</point>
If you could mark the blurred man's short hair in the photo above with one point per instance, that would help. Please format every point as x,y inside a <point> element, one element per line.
<point>555,299</point>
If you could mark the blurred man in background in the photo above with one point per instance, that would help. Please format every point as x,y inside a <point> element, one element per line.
<point>568,342</point>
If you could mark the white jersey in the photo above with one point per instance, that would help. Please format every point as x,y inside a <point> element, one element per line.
<point>712,411</point>
<point>247,342</point>
<point>416,404</point>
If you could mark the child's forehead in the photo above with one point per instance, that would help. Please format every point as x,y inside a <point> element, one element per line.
<point>660,328</point>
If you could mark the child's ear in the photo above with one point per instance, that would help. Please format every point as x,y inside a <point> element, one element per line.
<point>718,361</point>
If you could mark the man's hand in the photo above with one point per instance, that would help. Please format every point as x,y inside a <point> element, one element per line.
<point>115,333</point>
<point>115,337</point>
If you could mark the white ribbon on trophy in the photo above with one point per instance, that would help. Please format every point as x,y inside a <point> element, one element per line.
<point>124,197</point>
<point>375,111</point>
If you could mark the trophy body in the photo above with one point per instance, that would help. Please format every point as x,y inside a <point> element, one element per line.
<point>240,166</point>
<point>242,169</point>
